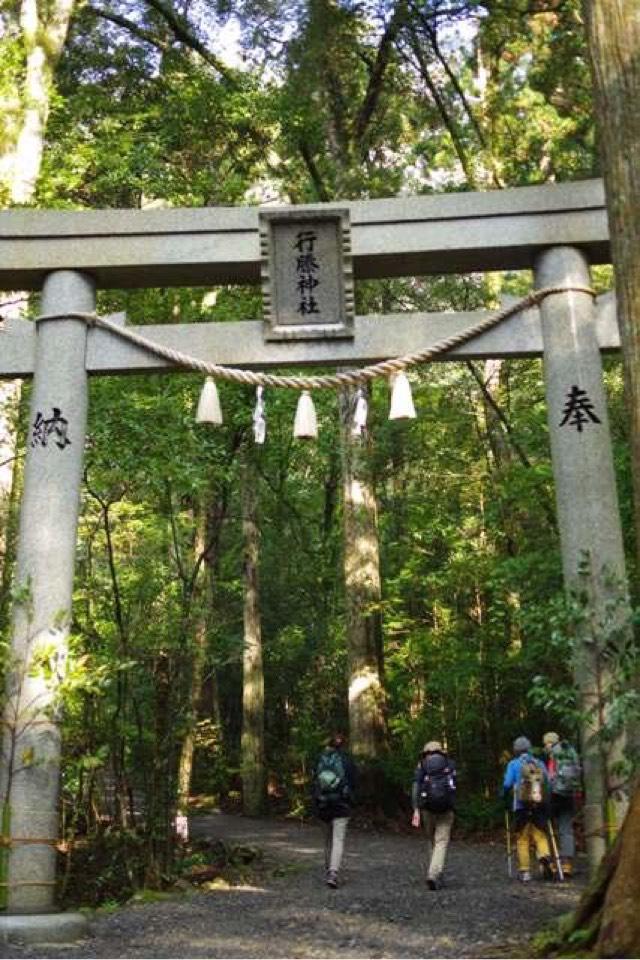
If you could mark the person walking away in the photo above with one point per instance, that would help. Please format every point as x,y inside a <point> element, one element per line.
<point>526,793</point>
<point>564,771</point>
<point>433,797</point>
<point>334,784</point>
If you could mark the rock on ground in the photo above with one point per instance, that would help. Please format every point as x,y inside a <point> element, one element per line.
<point>381,909</point>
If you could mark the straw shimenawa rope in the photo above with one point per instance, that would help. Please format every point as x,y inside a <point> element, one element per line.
<point>345,378</point>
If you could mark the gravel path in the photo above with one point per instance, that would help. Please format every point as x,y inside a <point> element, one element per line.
<point>384,908</point>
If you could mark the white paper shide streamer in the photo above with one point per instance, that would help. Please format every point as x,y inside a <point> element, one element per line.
<point>360,412</point>
<point>259,418</point>
<point>305,425</point>
<point>209,404</point>
<point>402,407</point>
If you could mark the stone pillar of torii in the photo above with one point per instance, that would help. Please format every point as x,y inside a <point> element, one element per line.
<point>556,231</point>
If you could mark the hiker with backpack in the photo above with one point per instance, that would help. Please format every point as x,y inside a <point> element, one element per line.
<point>433,797</point>
<point>526,793</point>
<point>334,783</point>
<point>564,771</point>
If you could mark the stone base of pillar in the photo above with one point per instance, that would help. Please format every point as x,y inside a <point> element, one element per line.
<point>43,927</point>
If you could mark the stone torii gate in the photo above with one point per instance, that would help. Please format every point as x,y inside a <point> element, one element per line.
<point>557,230</point>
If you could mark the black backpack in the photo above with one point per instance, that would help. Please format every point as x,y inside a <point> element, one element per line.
<point>436,786</point>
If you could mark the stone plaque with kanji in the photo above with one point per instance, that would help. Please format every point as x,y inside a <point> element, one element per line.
<point>307,276</point>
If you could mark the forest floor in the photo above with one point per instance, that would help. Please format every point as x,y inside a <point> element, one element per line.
<point>382,909</point>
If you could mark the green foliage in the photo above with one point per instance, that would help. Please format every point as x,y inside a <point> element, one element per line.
<point>214,772</point>
<point>477,814</point>
<point>105,871</point>
<point>556,941</point>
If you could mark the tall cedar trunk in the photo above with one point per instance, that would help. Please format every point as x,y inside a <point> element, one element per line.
<point>159,801</point>
<point>198,657</point>
<point>346,142</point>
<point>495,400</point>
<point>613,32</point>
<point>253,769</point>
<point>613,29</point>
<point>43,34</point>
<point>607,916</point>
<point>620,924</point>
<point>209,519</point>
<point>610,909</point>
<point>363,591</point>
<point>185,763</point>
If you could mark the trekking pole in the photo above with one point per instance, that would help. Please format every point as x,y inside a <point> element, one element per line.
<point>508,830</point>
<point>556,855</point>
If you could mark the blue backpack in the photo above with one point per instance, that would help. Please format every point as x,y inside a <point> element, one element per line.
<point>330,782</point>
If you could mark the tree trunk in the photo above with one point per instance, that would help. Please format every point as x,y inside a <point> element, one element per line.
<point>253,768</point>
<point>620,923</point>
<point>607,920</point>
<point>209,519</point>
<point>610,909</point>
<point>363,592</point>
<point>43,38</point>
<point>43,34</point>
<point>198,656</point>
<point>160,800</point>
<point>613,31</point>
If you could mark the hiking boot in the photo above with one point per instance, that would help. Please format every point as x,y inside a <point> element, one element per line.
<point>435,883</point>
<point>548,872</point>
<point>332,878</point>
<point>524,876</point>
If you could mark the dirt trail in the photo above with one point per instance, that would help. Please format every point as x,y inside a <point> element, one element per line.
<point>383,909</point>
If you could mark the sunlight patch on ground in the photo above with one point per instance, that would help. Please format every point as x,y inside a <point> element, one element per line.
<point>240,888</point>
